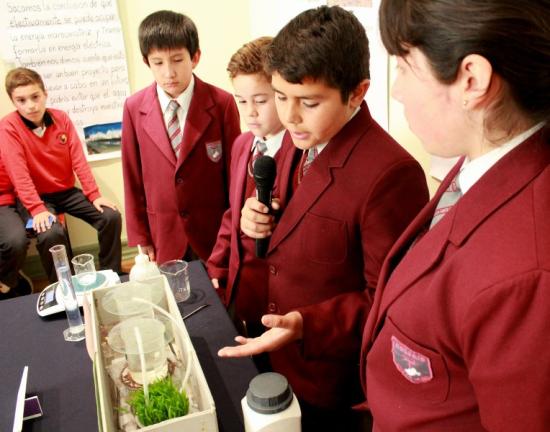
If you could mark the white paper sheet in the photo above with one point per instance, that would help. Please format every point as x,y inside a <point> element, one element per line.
<point>20,405</point>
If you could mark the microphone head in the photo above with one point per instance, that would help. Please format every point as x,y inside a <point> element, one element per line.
<point>265,170</point>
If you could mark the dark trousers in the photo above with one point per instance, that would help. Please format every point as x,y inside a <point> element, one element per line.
<point>108,225</point>
<point>13,245</point>
<point>316,419</point>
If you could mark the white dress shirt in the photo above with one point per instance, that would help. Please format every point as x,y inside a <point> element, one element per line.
<point>472,170</point>
<point>184,100</point>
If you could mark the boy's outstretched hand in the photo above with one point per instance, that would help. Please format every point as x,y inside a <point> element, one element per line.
<point>256,222</point>
<point>103,202</point>
<point>283,329</point>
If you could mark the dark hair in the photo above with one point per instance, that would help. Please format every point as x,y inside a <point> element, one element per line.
<point>326,43</point>
<point>20,77</point>
<point>249,59</point>
<point>167,30</point>
<point>514,36</point>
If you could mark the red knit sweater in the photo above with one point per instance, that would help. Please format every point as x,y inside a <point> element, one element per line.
<point>39,165</point>
<point>7,194</point>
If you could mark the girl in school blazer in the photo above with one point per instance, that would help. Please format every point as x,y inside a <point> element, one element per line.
<point>458,335</point>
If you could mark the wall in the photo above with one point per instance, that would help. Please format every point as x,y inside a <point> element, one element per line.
<point>217,22</point>
<point>223,27</point>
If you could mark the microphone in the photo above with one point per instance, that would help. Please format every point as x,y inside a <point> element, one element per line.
<point>264,171</point>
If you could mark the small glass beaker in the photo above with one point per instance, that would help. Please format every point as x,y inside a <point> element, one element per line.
<point>177,274</point>
<point>84,270</point>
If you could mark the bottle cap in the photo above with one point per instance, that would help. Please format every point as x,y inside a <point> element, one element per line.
<point>269,393</point>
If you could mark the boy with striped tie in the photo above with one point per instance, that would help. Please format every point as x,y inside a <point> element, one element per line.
<point>177,136</point>
<point>235,270</point>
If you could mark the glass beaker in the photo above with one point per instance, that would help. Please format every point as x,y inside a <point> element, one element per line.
<point>177,274</point>
<point>84,270</point>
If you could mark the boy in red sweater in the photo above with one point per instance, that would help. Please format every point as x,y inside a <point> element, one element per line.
<point>42,153</point>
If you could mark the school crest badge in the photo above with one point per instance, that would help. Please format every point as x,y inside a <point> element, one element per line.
<point>414,366</point>
<point>62,137</point>
<point>214,150</point>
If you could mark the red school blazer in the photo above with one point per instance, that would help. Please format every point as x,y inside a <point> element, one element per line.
<point>225,260</point>
<point>359,194</point>
<point>175,203</point>
<point>458,334</point>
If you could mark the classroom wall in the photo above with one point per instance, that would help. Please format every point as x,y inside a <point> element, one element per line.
<point>223,27</point>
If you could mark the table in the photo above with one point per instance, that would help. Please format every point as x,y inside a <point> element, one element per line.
<point>60,372</point>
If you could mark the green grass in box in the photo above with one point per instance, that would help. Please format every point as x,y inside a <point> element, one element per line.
<point>165,402</point>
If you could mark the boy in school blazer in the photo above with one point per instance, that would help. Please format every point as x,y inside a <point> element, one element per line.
<point>176,187</point>
<point>340,214</point>
<point>235,270</point>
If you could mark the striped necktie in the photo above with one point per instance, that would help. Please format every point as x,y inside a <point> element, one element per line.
<point>447,201</point>
<point>173,126</point>
<point>311,155</point>
<point>261,147</point>
<point>259,150</point>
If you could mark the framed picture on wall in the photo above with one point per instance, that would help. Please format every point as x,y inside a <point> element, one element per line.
<point>103,140</point>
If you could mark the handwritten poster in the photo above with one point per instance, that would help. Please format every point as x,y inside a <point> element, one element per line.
<point>78,49</point>
<point>268,17</point>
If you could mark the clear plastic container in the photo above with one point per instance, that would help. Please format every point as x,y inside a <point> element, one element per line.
<point>120,303</point>
<point>123,339</point>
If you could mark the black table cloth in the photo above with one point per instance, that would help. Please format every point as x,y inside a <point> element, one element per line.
<point>60,372</point>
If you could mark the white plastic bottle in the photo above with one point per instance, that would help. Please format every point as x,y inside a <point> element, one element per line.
<point>143,268</point>
<point>270,405</point>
